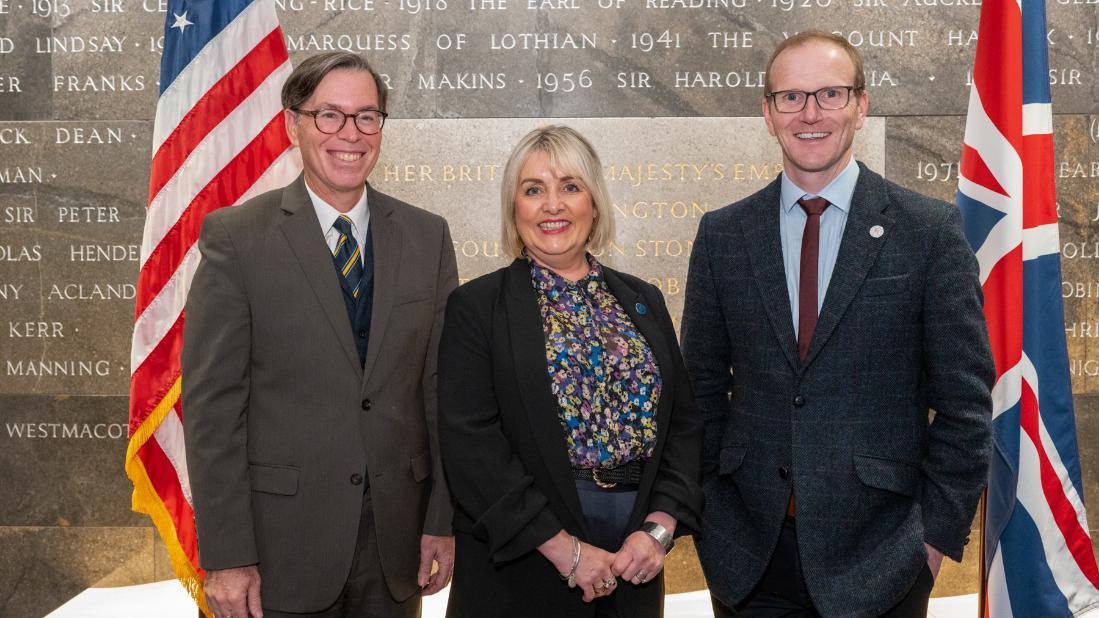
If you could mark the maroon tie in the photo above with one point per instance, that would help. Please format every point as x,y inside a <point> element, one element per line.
<point>807,288</point>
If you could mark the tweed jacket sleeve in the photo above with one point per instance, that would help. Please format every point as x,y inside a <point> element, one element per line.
<point>959,371</point>
<point>705,351</point>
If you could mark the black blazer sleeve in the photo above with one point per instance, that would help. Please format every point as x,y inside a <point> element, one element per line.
<point>677,489</point>
<point>486,478</point>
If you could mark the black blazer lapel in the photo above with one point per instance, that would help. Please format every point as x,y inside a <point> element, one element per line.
<point>641,314</point>
<point>386,237</point>
<point>643,317</point>
<point>764,245</point>
<point>303,234</point>
<point>528,348</point>
<point>858,252</point>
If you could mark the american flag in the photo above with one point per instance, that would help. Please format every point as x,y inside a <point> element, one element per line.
<point>1037,551</point>
<point>218,139</point>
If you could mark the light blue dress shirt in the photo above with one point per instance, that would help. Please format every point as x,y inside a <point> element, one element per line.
<point>791,225</point>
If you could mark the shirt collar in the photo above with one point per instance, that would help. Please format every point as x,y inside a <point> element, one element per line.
<point>554,284</point>
<point>839,192</point>
<point>327,214</point>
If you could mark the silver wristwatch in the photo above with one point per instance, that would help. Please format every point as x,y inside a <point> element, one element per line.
<point>660,533</point>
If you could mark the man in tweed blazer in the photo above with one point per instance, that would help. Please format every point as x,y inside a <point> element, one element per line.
<point>830,489</point>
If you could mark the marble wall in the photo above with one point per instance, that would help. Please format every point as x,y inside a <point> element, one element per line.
<point>667,90</point>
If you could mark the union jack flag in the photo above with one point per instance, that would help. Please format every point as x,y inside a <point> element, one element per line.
<point>1037,551</point>
<point>218,139</point>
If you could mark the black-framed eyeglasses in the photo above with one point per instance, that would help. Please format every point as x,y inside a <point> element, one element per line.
<point>330,121</point>
<point>829,97</point>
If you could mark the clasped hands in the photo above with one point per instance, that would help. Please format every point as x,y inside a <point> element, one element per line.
<point>597,572</point>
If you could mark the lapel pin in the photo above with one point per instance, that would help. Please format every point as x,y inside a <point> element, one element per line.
<point>641,309</point>
<point>877,231</point>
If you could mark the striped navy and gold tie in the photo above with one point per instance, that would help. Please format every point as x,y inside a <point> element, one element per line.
<point>348,258</point>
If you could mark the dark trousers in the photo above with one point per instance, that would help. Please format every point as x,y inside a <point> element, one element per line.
<point>606,513</point>
<point>782,592</point>
<point>365,595</point>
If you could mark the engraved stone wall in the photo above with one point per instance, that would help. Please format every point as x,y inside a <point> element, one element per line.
<point>668,91</point>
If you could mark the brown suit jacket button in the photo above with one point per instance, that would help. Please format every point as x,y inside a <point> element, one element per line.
<point>356,479</point>
<point>367,403</point>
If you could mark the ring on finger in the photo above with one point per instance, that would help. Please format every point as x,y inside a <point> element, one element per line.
<point>640,576</point>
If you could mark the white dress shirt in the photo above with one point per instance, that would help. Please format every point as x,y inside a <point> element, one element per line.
<point>327,215</point>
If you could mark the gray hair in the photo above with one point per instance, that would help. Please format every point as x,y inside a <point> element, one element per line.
<point>309,73</point>
<point>571,153</point>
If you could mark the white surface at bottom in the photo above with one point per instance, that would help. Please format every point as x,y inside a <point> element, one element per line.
<point>168,599</point>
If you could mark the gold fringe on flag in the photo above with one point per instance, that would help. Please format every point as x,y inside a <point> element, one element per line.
<point>146,500</point>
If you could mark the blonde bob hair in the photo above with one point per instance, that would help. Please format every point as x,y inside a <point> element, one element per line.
<point>570,153</point>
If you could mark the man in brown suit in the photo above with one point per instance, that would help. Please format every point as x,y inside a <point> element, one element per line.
<point>309,360</point>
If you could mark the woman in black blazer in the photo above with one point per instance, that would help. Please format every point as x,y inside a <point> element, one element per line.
<point>567,427</point>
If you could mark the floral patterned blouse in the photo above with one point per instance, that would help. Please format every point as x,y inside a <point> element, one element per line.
<point>601,369</point>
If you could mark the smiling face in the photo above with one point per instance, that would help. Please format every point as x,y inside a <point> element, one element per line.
<point>816,143</point>
<point>553,215</point>
<point>336,166</point>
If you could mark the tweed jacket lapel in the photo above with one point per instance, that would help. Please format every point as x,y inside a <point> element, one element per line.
<point>303,233</point>
<point>858,251</point>
<point>528,348</point>
<point>764,246</point>
<point>386,237</point>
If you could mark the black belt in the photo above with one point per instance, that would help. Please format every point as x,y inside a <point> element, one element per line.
<point>628,473</point>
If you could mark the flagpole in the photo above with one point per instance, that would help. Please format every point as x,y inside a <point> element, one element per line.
<point>982,588</point>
